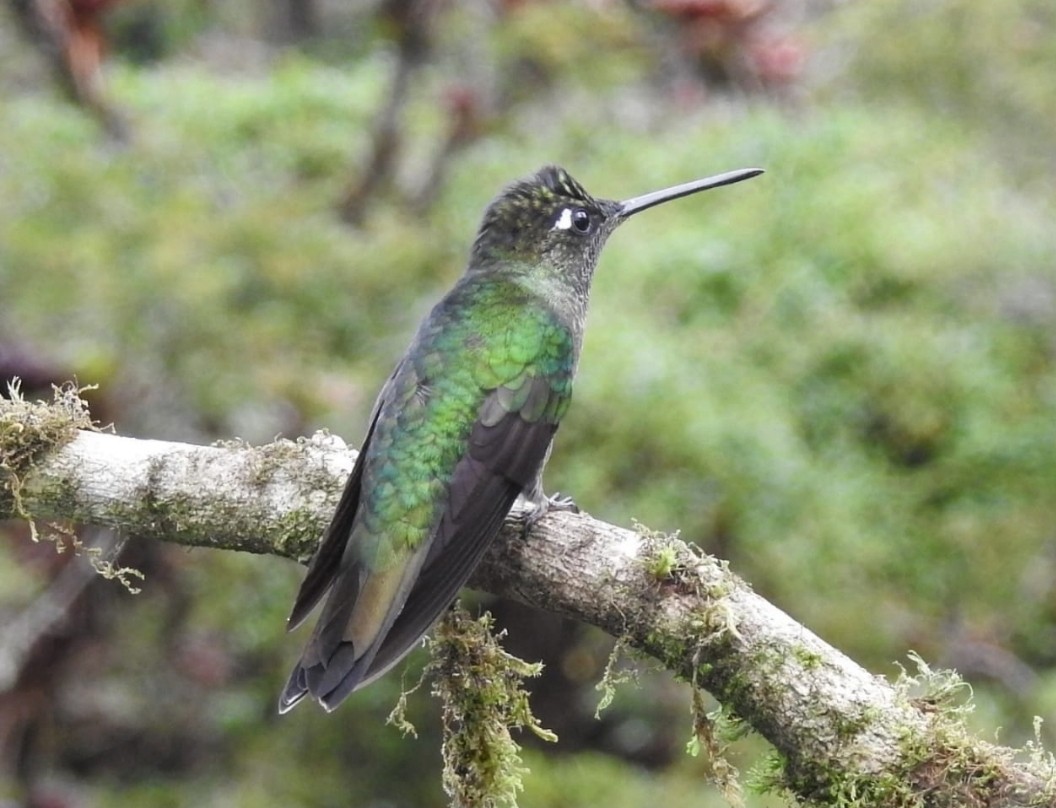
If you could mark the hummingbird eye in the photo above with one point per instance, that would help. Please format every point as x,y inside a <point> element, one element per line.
<point>581,221</point>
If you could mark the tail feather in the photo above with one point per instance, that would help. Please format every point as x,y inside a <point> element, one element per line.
<point>329,682</point>
<point>295,690</point>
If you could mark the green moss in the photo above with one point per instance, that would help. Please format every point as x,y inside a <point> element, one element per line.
<point>943,759</point>
<point>932,689</point>
<point>660,552</point>
<point>712,732</point>
<point>807,658</point>
<point>957,771</point>
<point>613,676</point>
<point>663,563</point>
<point>481,689</point>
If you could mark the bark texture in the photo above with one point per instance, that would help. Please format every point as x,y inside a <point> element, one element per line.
<point>845,737</point>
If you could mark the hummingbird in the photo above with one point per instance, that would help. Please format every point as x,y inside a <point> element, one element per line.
<point>461,429</point>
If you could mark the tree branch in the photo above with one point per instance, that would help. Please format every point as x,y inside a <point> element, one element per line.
<point>845,736</point>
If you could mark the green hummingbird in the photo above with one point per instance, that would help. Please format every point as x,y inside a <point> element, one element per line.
<point>461,429</point>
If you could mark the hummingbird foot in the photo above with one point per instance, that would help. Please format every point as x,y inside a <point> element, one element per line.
<point>539,504</point>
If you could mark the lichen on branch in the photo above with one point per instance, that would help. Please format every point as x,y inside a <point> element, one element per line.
<point>30,429</point>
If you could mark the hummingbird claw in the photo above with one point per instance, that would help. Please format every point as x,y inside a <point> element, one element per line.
<point>561,502</point>
<point>542,505</point>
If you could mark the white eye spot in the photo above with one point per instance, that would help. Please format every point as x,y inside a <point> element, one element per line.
<point>564,221</point>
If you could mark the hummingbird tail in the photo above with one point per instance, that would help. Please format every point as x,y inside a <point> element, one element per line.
<point>329,683</point>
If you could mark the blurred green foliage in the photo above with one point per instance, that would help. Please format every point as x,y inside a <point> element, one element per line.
<point>841,375</point>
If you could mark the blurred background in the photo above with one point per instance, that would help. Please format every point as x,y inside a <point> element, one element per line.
<point>840,376</point>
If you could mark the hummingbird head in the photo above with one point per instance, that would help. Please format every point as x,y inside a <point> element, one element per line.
<point>549,222</point>
<point>546,220</point>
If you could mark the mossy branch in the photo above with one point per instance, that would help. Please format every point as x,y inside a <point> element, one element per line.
<point>843,736</point>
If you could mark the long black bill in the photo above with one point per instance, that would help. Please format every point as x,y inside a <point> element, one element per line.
<point>629,207</point>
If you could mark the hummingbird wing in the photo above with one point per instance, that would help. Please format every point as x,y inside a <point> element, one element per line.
<point>506,452</point>
<point>502,455</point>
